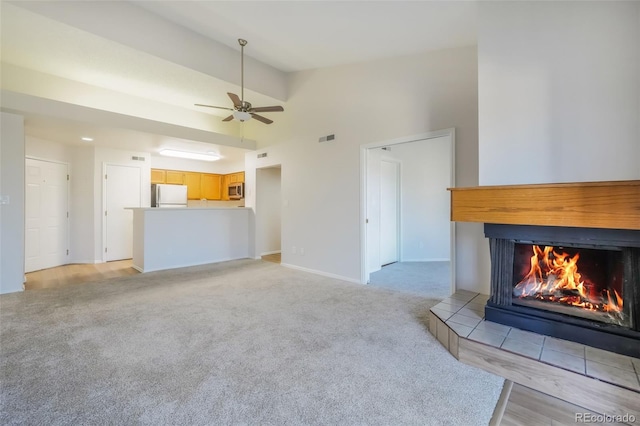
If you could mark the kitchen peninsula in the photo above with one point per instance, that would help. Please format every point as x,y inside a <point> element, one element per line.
<point>166,238</point>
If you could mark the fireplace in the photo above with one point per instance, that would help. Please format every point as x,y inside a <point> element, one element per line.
<point>565,258</point>
<point>578,284</point>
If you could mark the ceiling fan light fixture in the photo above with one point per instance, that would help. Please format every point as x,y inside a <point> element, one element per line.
<point>189,155</point>
<point>241,115</point>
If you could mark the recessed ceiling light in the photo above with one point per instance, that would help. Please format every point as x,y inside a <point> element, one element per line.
<point>87,139</point>
<point>190,155</point>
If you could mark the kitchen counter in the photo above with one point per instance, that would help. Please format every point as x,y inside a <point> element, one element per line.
<point>167,238</point>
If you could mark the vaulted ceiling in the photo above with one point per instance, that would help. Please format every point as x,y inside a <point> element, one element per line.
<point>154,60</point>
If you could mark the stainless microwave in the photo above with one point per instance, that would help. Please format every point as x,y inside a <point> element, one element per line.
<point>236,190</point>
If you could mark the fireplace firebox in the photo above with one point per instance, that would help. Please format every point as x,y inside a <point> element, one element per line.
<point>578,284</point>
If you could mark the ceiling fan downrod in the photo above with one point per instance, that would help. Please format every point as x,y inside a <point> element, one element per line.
<point>242,43</point>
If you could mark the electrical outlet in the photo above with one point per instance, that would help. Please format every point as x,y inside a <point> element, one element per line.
<point>294,250</point>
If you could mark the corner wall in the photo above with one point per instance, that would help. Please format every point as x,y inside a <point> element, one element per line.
<point>12,169</point>
<point>559,91</point>
<point>360,104</point>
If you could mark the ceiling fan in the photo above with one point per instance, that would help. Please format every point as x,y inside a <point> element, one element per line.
<point>242,110</point>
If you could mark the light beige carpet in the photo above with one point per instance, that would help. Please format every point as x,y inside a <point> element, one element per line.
<point>242,342</point>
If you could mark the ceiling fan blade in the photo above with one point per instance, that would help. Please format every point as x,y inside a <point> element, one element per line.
<point>265,120</point>
<point>235,99</point>
<point>267,109</point>
<point>212,106</point>
<point>229,118</point>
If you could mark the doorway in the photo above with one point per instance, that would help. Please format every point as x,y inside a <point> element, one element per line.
<point>122,189</point>
<point>269,214</point>
<point>425,241</point>
<point>46,214</point>
<point>389,211</point>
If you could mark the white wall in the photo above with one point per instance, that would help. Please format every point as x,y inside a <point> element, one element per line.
<point>268,210</point>
<point>360,104</point>
<point>12,168</point>
<point>559,91</point>
<point>83,218</point>
<point>425,203</point>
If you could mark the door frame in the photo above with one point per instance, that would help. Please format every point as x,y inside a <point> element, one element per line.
<point>398,164</point>
<point>32,157</point>
<point>364,150</point>
<point>103,256</point>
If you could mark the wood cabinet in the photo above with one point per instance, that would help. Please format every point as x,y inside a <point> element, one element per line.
<point>194,185</point>
<point>211,186</point>
<point>175,177</point>
<point>158,176</point>
<point>230,178</point>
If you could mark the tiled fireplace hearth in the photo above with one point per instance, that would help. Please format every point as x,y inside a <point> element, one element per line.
<point>565,276</point>
<point>565,258</point>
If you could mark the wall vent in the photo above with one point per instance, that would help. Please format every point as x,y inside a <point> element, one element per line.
<point>136,158</point>
<point>327,138</point>
<point>262,155</point>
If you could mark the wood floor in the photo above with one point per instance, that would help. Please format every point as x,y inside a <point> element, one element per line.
<point>526,406</point>
<point>275,258</point>
<point>74,274</point>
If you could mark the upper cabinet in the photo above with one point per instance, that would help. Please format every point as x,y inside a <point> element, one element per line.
<point>209,186</point>
<point>158,176</point>
<point>175,177</point>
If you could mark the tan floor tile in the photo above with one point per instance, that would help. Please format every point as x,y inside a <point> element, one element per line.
<point>463,296</point>
<point>612,375</point>
<point>461,319</point>
<point>470,313</point>
<point>459,329</point>
<point>454,302</point>
<point>609,358</point>
<point>563,360</point>
<point>564,346</point>
<point>526,336</point>
<point>487,337</point>
<point>494,327</point>
<point>443,315</point>
<point>521,347</point>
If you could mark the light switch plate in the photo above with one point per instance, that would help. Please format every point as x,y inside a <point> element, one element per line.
<point>4,199</point>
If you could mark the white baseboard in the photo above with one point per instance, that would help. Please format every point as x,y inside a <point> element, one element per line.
<point>137,268</point>
<point>324,274</point>
<point>425,260</point>
<point>188,264</point>
<point>266,253</point>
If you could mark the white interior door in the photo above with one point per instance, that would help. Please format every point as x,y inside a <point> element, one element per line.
<point>122,189</point>
<point>389,206</point>
<point>46,221</point>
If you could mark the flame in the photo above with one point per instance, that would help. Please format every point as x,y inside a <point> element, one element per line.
<point>554,277</point>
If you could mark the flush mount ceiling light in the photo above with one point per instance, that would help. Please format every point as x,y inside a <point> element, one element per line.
<point>190,155</point>
<point>87,139</point>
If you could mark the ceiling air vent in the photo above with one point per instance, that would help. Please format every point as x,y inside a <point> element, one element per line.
<point>262,155</point>
<point>136,158</point>
<point>327,138</point>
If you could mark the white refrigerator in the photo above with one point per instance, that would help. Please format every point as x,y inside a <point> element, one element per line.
<point>163,195</point>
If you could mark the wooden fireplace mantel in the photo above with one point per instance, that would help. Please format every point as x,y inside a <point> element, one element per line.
<point>611,205</point>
